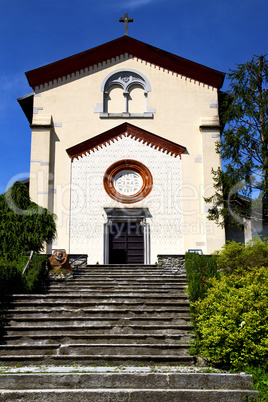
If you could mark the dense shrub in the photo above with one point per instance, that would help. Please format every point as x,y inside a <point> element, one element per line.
<point>35,277</point>
<point>24,225</point>
<point>229,304</point>
<point>199,268</point>
<point>12,280</point>
<point>238,255</point>
<point>10,277</point>
<point>232,320</point>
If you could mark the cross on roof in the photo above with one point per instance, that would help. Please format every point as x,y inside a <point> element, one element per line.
<point>126,20</point>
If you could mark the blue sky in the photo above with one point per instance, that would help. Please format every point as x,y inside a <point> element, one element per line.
<point>218,34</point>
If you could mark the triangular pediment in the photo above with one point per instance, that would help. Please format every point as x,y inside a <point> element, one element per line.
<point>127,130</point>
<point>122,46</point>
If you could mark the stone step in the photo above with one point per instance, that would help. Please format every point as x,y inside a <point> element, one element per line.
<point>73,320</point>
<point>66,287</point>
<point>157,271</point>
<point>134,268</point>
<point>127,395</point>
<point>128,273</point>
<point>92,293</point>
<point>120,297</point>
<point>113,285</point>
<point>91,313</point>
<point>76,337</point>
<point>112,301</point>
<point>120,287</point>
<point>165,274</point>
<point>155,276</point>
<point>133,380</point>
<point>101,359</point>
<point>114,290</point>
<point>129,268</point>
<point>158,275</point>
<point>101,304</point>
<point>103,275</point>
<point>128,276</point>
<point>126,267</point>
<point>119,282</point>
<point>116,349</point>
<point>131,271</point>
<point>122,266</point>
<point>28,330</point>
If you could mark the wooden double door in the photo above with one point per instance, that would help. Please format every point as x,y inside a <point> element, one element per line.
<point>126,243</point>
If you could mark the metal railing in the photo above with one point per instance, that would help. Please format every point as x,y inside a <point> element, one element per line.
<point>78,261</point>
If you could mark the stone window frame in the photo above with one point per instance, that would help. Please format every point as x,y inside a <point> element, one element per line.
<point>125,78</point>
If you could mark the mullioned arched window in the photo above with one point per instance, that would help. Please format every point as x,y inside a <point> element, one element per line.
<point>125,94</point>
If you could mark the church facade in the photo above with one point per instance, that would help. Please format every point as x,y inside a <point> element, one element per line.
<point>123,143</point>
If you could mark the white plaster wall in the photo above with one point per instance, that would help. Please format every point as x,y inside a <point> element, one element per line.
<point>88,198</point>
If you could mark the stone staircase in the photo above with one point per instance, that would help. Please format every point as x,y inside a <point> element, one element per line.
<point>107,316</point>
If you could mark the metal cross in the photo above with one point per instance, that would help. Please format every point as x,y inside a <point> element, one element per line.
<point>126,20</point>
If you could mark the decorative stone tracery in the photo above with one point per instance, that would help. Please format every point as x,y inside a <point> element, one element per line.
<point>127,80</point>
<point>128,181</point>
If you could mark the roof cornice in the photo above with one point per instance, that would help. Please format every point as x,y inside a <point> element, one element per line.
<point>116,48</point>
<point>129,130</point>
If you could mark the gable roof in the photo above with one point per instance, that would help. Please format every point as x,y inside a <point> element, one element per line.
<point>129,130</point>
<point>117,47</point>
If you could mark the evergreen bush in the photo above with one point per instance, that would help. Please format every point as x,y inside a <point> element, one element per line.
<point>35,277</point>
<point>199,268</point>
<point>10,277</point>
<point>232,320</point>
<point>24,225</point>
<point>12,280</point>
<point>239,255</point>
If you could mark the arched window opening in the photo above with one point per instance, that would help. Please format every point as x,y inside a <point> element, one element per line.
<point>125,93</point>
<point>115,101</point>
<point>136,98</point>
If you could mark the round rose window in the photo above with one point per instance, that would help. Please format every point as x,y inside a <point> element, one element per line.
<point>128,181</point>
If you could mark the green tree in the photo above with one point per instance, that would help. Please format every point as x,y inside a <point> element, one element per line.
<point>243,146</point>
<point>24,225</point>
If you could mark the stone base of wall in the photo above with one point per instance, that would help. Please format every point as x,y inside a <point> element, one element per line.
<point>172,262</point>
